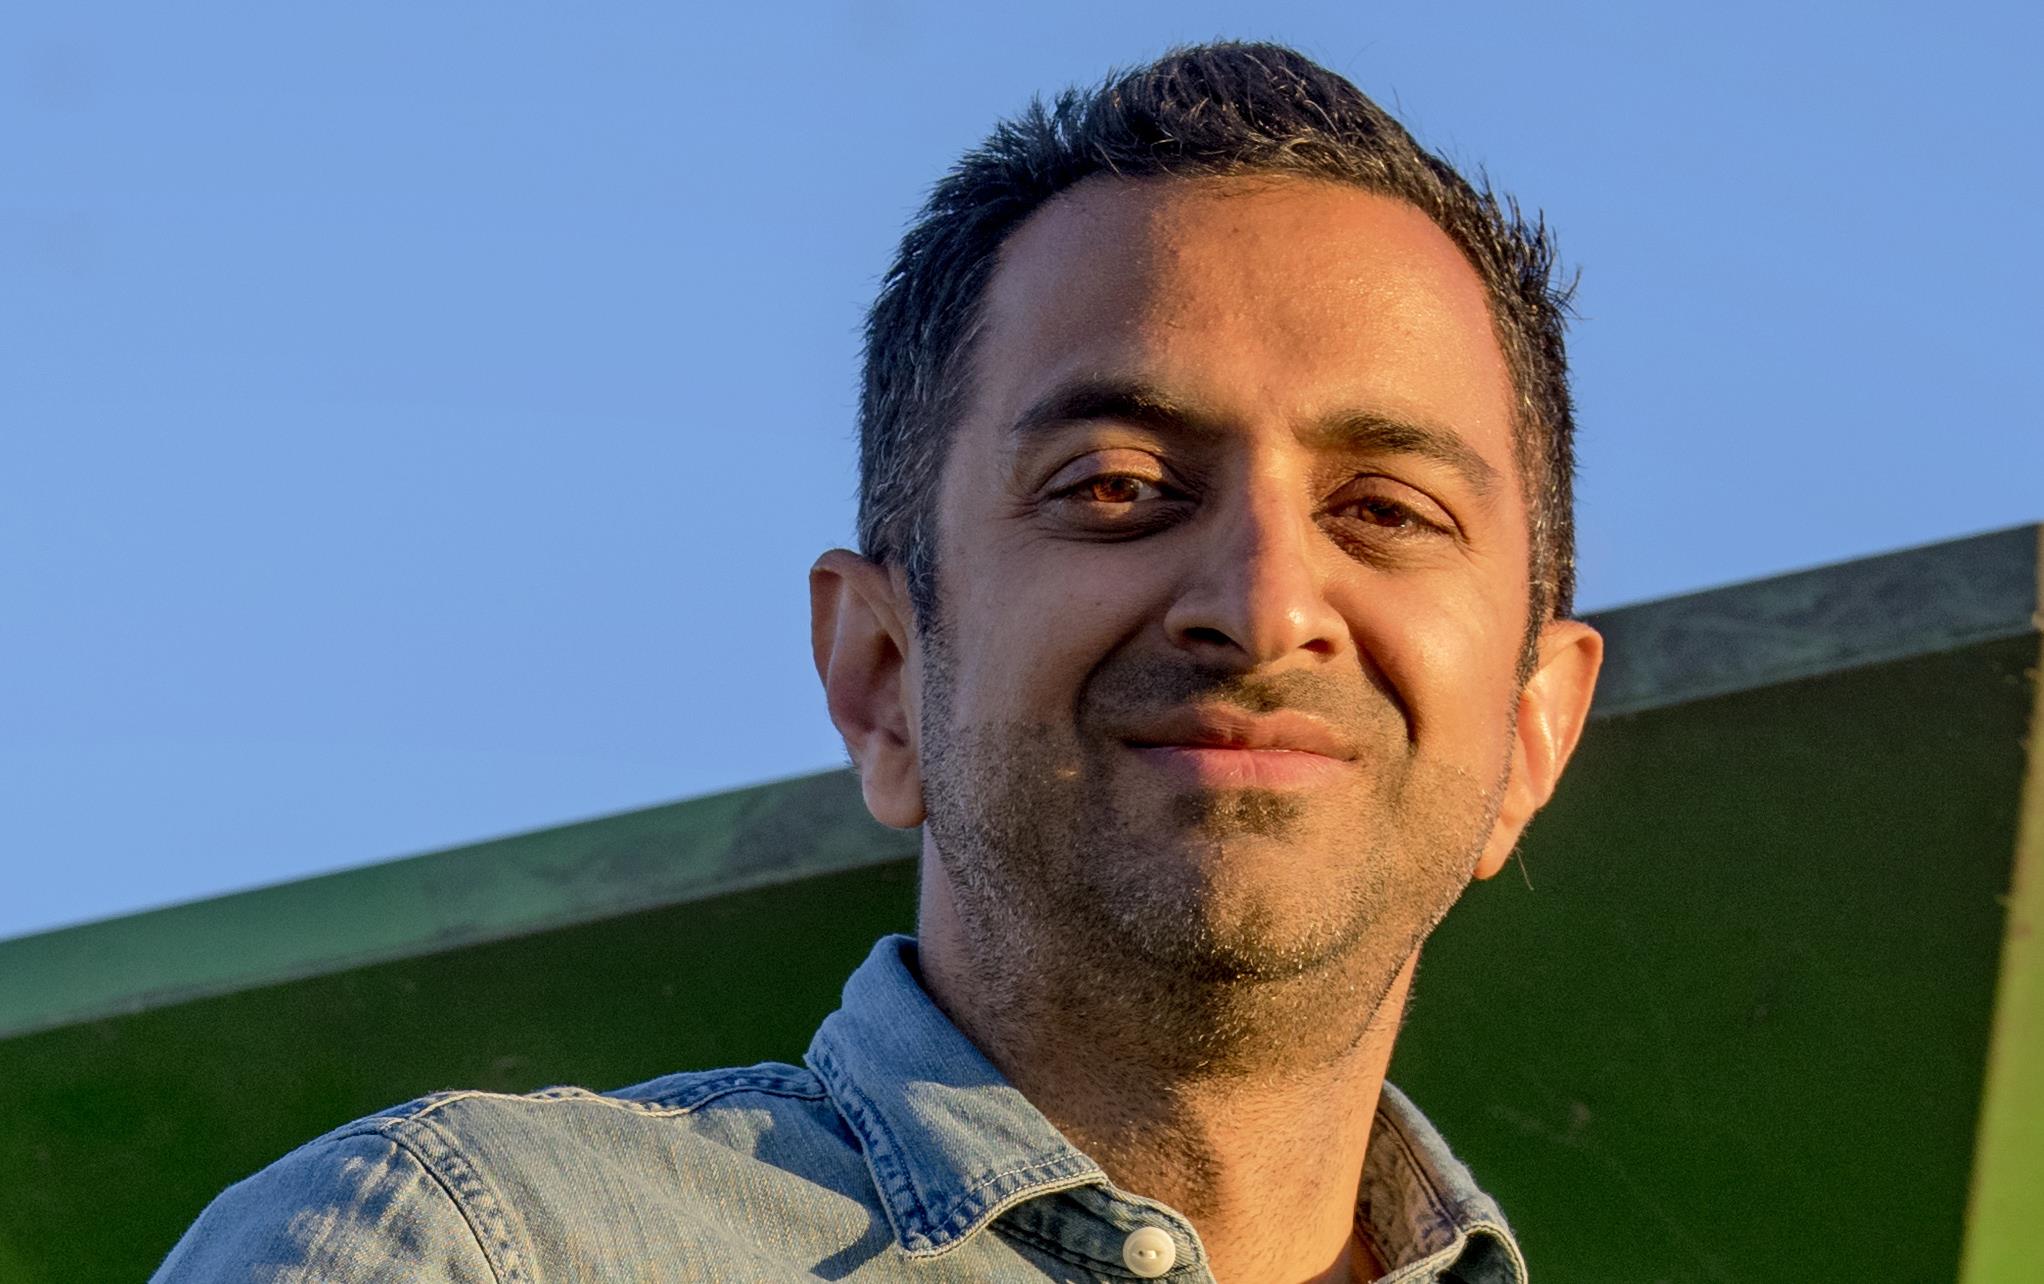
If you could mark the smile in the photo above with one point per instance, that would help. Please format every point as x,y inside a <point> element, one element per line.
<point>1231,749</point>
<point>1230,767</point>
<point>1219,747</point>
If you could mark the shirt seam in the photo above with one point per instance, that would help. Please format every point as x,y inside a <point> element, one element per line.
<point>1019,1193</point>
<point>1048,1245</point>
<point>713,1093</point>
<point>953,1227</point>
<point>584,1096</point>
<point>990,1216</point>
<point>1465,1228</point>
<point>1436,1199</point>
<point>867,1122</point>
<point>788,1081</point>
<point>508,1270</point>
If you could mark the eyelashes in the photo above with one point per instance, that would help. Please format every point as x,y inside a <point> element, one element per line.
<point>1117,504</point>
<point>1127,501</point>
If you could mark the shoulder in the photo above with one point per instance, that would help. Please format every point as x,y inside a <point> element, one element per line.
<point>357,1204</point>
<point>620,1127</point>
<point>696,1089</point>
<point>458,1185</point>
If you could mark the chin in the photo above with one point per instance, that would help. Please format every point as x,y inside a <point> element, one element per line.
<point>1219,921</point>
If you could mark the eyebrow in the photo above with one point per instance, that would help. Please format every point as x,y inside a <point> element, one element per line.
<point>1363,431</point>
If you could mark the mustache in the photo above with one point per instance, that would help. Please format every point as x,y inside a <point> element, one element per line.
<point>1131,688</point>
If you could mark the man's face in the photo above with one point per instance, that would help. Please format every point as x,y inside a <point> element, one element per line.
<point>1233,581</point>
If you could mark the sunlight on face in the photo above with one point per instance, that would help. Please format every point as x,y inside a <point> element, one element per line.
<point>1233,574</point>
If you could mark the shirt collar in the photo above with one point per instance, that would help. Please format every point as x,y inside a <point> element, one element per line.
<point>952,1145</point>
<point>1423,1210</point>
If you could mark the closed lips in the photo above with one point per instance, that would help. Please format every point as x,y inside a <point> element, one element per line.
<point>1221,728</point>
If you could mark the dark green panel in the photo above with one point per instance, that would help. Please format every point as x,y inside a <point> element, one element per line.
<point>118,1131</point>
<point>444,900</point>
<point>1735,1033</point>
<point>1736,1029</point>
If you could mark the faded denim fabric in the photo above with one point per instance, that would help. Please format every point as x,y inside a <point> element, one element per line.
<point>897,1154</point>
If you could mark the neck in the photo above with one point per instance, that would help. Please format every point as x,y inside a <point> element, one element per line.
<point>1257,1136</point>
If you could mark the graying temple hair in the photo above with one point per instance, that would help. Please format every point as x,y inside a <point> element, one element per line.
<point>1217,110</point>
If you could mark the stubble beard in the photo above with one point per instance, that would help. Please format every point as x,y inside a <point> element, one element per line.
<point>1180,920</point>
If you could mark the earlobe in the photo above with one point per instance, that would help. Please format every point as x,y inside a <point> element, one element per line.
<point>1553,707</point>
<point>859,634</point>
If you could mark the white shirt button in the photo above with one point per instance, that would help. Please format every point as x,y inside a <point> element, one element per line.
<point>1148,1252</point>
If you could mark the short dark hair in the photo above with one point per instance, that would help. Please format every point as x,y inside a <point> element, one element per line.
<point>1217,110</point>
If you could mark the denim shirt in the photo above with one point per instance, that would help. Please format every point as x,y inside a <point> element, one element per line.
<point>897,1154</point>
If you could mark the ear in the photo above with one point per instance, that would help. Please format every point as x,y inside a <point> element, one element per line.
<point>1553,706</point>
<point>859,630</point>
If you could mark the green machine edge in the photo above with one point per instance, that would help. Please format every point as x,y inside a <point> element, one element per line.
<point>2004,1233</point>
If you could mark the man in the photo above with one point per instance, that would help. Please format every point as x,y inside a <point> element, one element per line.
<point>1212,621</point>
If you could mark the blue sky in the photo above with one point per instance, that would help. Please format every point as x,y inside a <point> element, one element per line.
<point>416,420</point>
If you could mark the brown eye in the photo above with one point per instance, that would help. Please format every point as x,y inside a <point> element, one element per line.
<point>1115,489</point>
<point>1401,514</point>
<point>1114,504</point>
<point>1383,512</point>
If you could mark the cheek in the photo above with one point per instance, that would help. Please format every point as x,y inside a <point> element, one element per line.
<point>1448,653</point>
<point>1030,630</point>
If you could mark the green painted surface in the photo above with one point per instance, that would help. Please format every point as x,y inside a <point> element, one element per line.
<point>1918,601</point>
<point>443,900</point>
<point>118,1131</point>
<point>1736,1031</point>
<point>2005,1229</point>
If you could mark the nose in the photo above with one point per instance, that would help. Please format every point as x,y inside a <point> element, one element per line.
<point>1257,591</point>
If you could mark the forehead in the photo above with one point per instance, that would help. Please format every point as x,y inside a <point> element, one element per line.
<point>1272,299</point>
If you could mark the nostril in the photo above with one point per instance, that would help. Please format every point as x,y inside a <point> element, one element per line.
<point>1200,633</point>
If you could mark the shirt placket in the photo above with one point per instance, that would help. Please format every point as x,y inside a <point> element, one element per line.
<point>1114,1235</point>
